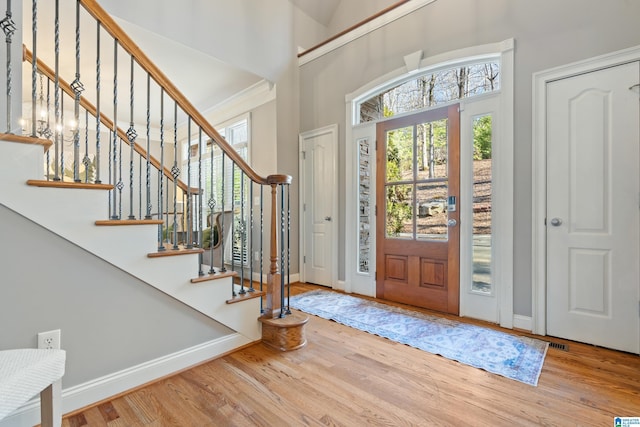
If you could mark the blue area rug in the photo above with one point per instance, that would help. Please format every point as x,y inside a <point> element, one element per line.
<point>516,357</point>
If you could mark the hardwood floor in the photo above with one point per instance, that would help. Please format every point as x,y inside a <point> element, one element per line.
<point>344,377</point>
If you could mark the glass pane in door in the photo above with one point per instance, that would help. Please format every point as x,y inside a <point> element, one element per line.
<point>482,205</point>
<point>400,155</point>
<point>431,141</point>
<point>431,206</point>
<point>399,211</point>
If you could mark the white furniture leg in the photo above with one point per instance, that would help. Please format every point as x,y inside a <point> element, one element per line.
<point>51,405</point>
<point>26,372</point>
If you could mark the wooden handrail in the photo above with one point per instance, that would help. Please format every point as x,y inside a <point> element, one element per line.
<point>353,27</point>
<point>50,74</point>
<point>109,24</point>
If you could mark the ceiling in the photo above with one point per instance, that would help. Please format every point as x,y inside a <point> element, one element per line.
<point>320,11</point>
<point>211,50</point>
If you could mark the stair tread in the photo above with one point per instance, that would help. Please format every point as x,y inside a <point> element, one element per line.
<point>247,296</point>
<point>215,276</point>
<point>114,222</point>
<point>26,140</point>
<point>67,184</point>
<point>169,251</point>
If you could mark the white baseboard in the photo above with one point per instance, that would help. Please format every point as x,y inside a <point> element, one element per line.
<point>522,322</point>
<point>340,285</point>
<point>76,397</point>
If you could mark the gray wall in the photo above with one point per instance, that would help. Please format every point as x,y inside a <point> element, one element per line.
<point>109,320</point>
<point>287,146</point>
<point>547,33</point>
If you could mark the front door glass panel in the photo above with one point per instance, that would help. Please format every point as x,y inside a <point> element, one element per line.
<point>416,183</point>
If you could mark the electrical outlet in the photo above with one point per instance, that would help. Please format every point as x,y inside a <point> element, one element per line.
<point>49,340</point>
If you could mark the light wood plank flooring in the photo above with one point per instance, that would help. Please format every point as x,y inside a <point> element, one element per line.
<point>344,377</point>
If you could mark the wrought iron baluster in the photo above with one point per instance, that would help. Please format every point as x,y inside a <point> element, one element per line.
<point>112,193</point>
<point>262,188</point>
<point>77,88</point>
<point>60,130</point>
<point>9,28</point>
<point>114,131</point>
<point>243,233</point>
<point>288,247</point>
<point>200,202</point>
<point>166,195</point>
<point>223,207</point>
<point>148,154</point>
<point>188,219</point>
<point>86,160</point>
<point>98,116</point>
<point>251,289</point>
<point>34,69</point>
<point>46,132</point>
<point>140,187</point>
<point>120,184</point>
<point>160,175</point>
<point>233,217</point>
<point>282,260</point>
<point>212,206</point>
<point>131,136</point>
<point>56,91</point>
<point>175,173</point>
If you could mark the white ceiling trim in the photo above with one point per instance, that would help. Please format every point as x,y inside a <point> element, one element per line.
<point>364,29</point>
<point>254,96</point>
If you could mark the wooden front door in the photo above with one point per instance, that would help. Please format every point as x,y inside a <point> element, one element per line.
<point>418,183</point>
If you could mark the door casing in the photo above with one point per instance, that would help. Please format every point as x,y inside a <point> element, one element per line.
<point>503,164</point>
<point>331,184</point>
<point>539,184</point>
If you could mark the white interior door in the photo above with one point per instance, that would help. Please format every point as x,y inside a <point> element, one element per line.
<point>593,208</point>
<point>318,206</point>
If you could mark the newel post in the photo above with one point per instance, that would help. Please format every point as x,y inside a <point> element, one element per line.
<point>273,306</point>
<point>282,330</point>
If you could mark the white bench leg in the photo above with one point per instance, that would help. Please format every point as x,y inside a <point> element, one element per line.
<point>51,405</point>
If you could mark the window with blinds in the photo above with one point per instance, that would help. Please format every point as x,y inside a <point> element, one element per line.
<point>225,186</point>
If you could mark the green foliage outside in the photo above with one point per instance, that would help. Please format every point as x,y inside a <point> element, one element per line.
<point>399,148</point>
<point>482,138</point>
<point>432,137</point>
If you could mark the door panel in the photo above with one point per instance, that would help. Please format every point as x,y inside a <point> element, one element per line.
<point>417,177</point>
<point>318,170</point>
<point>593,217</point>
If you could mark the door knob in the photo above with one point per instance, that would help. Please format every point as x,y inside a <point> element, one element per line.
<point>556,222</point>
<point>452,223</point>
<point>327,218</point>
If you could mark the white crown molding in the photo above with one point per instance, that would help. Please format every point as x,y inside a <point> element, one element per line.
<point>363,30</point>
<point>242,102</point>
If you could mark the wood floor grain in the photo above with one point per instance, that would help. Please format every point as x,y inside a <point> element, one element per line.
<point>344,377</point>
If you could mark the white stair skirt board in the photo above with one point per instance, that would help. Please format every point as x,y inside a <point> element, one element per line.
<point>102,388</point>
<point>71,214</point>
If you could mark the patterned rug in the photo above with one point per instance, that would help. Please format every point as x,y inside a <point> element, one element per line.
<point>516,357</point>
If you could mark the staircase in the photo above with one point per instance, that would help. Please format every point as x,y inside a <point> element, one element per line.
<point>103,190</point>
<point>71,213</point>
